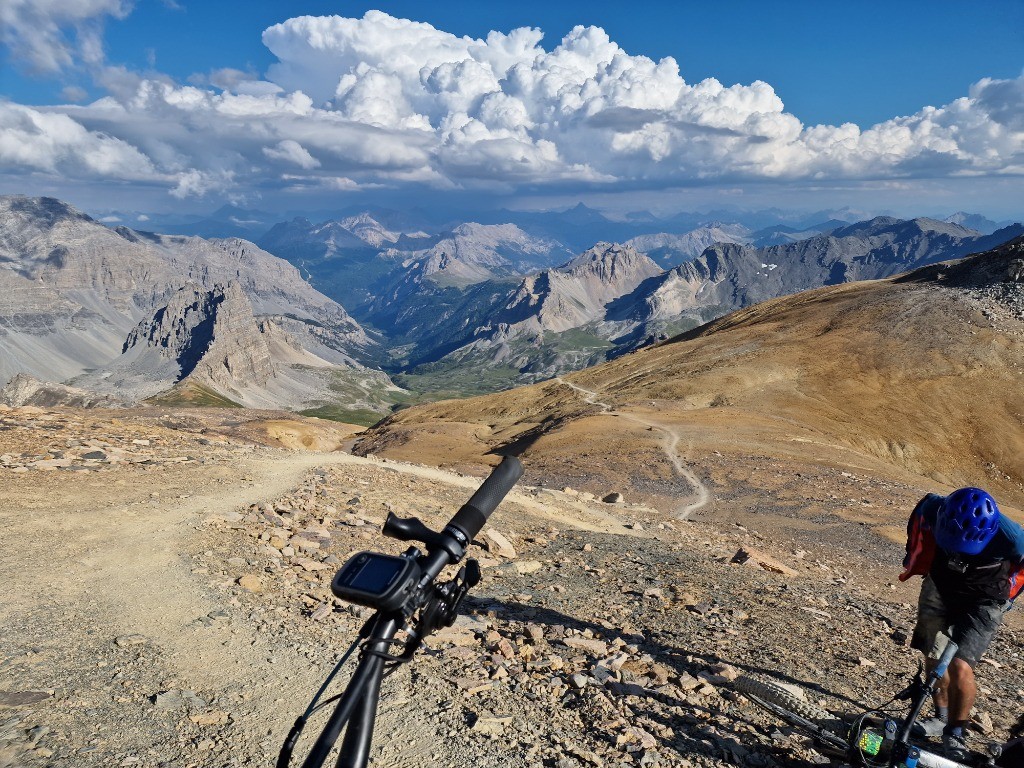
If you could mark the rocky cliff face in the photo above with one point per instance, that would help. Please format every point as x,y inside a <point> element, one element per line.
<point>72,291</point>
<point>210,341</point>
<point>671,250</point>
<point>211,335</point>
<point>526,328</point>
<point>578,292</point>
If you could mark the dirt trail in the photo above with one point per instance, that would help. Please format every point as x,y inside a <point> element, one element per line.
<point>134,564</point>
<point>148,587</point>
<point>96,567</point>
<point>583,516</point>
<point>670,444</point>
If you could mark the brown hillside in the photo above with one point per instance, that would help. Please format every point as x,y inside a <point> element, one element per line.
<point>916,378</point>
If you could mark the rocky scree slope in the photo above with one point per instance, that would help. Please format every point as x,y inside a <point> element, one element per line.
<point>579,648</point>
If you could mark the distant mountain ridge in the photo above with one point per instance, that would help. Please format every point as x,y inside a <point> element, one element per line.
<point>728,277</point>
<point>528,327</point>
<point>439,303</point>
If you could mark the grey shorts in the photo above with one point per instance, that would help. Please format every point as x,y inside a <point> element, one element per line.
<point>971,627</point>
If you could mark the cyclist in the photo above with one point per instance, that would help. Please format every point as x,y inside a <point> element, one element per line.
<point>972,560</point>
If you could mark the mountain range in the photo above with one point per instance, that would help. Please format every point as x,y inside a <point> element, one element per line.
<point>471,308</point>
<point>568,317</point>
<point>915,375</point>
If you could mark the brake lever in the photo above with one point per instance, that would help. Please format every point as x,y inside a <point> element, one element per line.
<point>915,688</point>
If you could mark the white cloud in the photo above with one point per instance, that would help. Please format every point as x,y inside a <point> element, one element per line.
<point>360,103</point>
<point>193,183</point>
<point>292,152</point>
<point>50,142</point>
<point>49,36</point>
<point>74,93</point>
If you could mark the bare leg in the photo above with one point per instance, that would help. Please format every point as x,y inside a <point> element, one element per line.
<point>962,690</point>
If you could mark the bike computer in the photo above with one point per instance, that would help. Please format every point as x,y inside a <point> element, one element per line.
<point>375,580</point>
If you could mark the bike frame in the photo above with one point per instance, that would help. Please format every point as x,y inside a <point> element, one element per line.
<point>357,707</point>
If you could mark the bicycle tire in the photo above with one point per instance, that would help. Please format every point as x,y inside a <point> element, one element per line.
<point>773,693</point>
<point>816,722</point>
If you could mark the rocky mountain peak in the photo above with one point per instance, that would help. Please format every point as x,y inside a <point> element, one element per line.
<point>46,211</point>
<point>208,333</point>
<point>609,260</point>
<point>369,230</point>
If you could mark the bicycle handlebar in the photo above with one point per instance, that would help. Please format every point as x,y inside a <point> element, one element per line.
<point>357,707</point>
<point>470,518</point>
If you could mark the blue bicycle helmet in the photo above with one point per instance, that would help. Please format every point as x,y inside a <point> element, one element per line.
<point>967,521</point>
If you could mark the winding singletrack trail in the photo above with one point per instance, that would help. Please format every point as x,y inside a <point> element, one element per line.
<point>670,444</point>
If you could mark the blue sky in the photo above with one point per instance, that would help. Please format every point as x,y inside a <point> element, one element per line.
<point>824,63</point>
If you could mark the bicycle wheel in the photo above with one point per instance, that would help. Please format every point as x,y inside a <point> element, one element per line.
<point>792,709</point>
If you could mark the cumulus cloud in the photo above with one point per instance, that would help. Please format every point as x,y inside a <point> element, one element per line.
<point>48,36</point>
<point>74,93</point>
<point>380,101</point>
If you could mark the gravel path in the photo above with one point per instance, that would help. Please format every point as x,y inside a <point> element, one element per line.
<point>700,496</point>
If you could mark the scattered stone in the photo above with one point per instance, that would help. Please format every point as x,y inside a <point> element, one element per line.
<point>251,583</point>
<point>753,557</point>
<point>491,726</point>
<point>498,544</point>
<point>982,721</point>
<point>580,680</point>
<point>614,498</point>
<point>23,698</point>
<point>590,645</point>
<point>214,717</point>
<point>524,567</point>
<point>123,641</point>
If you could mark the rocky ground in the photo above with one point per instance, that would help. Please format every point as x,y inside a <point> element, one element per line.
<point>167,603</point>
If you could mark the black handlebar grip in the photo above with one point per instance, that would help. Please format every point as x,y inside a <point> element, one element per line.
<point>474,513</point>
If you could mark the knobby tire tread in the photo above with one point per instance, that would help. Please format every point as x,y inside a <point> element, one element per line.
<point>775,694</point>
